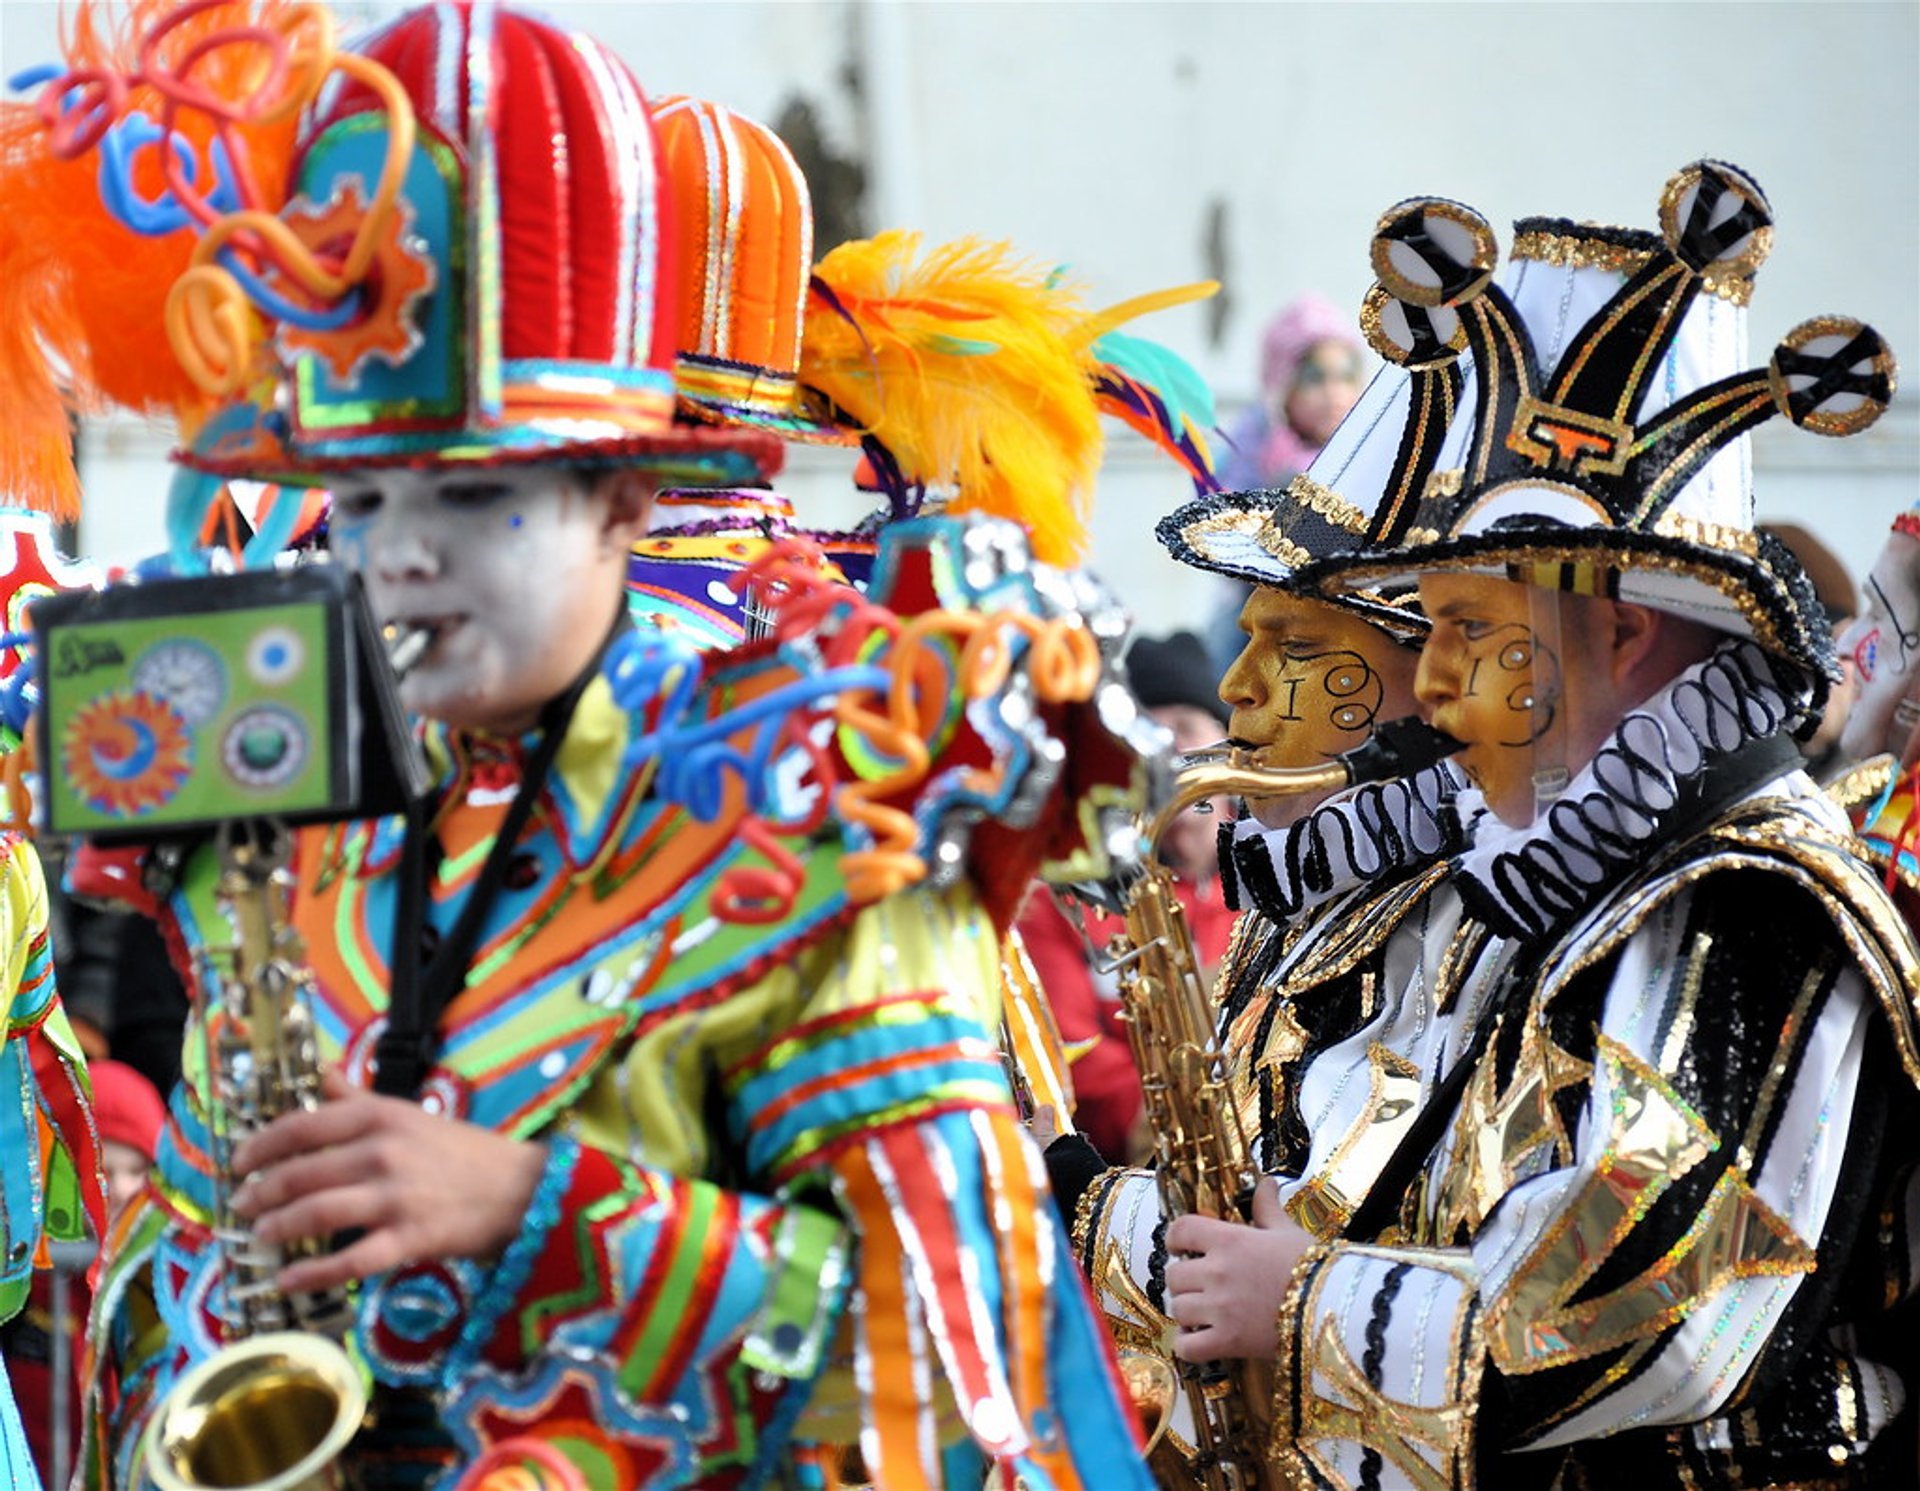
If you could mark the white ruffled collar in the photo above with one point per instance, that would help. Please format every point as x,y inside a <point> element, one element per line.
<point>1372,834</point>
<point>1538,877</point>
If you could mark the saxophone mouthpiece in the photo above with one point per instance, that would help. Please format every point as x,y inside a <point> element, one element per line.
<point>1399,748</point>
<point>406,646</point>
<point>1230,751</point>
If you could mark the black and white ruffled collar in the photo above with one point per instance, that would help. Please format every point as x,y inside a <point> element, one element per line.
<point>1370,835</point>
<point>1640,785</point>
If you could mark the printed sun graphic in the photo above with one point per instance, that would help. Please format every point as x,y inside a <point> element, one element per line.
<point>401,273</point>
<point>126,753</point>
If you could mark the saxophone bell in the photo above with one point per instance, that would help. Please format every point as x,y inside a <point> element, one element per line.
<point>271,1413</point>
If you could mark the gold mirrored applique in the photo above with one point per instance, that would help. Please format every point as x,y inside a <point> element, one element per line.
<point>1327,1200</point>
<point>1498,1135</point>
<point>1409,1438</point>
<point>1655,1138</point>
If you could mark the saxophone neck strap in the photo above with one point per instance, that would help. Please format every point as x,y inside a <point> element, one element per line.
<point>423,985</point>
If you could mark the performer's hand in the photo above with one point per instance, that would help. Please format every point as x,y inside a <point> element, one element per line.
<point>1226,1295</point>
<point>1044,1125</point>
<point>413,1184</point>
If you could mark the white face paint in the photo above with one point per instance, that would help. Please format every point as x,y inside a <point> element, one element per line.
<point>516,571</point>
<point>1883,644</point>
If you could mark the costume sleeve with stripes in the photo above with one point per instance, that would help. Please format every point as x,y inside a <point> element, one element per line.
<point>885,1174</point>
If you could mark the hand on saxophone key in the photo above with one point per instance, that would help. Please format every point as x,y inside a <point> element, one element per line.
<point>1225,1294</point>
<point>413,1185</point>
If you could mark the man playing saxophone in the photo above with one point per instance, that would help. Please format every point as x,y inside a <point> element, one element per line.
<point>1338,886</point>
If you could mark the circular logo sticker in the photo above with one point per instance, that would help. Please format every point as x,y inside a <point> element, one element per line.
<point>126,753</point>
<point>275,655</point>
<point>265,746</point>
<point>186,674</point>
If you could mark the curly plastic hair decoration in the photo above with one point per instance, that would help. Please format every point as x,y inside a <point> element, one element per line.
<point>249,260</point>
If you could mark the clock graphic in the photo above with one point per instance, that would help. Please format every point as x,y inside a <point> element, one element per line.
<point>188,675</point>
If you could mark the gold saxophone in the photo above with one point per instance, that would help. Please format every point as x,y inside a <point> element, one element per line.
<point>1203,1161</point>
<point>274,1408</point>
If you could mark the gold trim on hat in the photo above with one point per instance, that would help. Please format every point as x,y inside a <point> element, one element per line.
<point>1759,620</point>
<point>1328,503</point>
<point>1708,535</point>
<point>1578,251</point>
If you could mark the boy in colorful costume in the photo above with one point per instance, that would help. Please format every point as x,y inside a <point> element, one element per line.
<point>716,1093</point>
<point>1628,1238</point>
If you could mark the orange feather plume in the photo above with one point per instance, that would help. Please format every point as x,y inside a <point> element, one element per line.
<point>81,294</point>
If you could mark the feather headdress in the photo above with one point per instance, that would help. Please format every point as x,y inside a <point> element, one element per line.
<point>82,291</point>
<point>977,372</point>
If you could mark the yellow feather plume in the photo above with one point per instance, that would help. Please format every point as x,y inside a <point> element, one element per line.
<point>965,364</point>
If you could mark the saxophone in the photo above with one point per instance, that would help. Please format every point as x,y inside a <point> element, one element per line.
<point>274,1408</point>
<point>1203,1161</point>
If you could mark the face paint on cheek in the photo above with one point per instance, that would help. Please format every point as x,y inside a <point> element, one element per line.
<point>348,541</point>
<point>1353,691</point>
<point>1866,655</point>
<point>1513,685</point>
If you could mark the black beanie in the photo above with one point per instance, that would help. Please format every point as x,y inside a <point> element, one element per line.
<point>1175,670</point>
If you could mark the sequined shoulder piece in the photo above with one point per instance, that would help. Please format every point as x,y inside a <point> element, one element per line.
<point>1356,930</point>
<point>1779,838</point>
<point>1854,788</point>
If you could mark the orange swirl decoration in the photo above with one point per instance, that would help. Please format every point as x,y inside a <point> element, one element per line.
<point>210,318</point>
<point>1063,663</point>
<point>284,58</point>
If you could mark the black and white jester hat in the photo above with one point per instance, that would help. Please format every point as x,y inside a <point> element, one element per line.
<point>1607,398</point>
<point>1358,494</point>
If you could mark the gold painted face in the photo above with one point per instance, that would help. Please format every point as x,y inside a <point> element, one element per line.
<point>1311,681</point>
<point>1488,678</point>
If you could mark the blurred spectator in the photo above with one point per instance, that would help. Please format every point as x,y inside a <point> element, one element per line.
<point>1883,648</point>
<point>1176,682</point>
<point>117,982</point>
<point>44,1338</point>
<point>1840,599</point>
<point>129,1112</point>
<point>1312,368</point>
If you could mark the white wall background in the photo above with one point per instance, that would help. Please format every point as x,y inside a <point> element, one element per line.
<point>1125,138</point>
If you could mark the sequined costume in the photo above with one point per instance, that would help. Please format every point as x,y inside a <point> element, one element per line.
<point>50,1186</point>
<point>753,1119</point>
<point>1319,1008</point>
<point>1646,1245</point>
<point>740,974</point>
<point>1322,1019</point>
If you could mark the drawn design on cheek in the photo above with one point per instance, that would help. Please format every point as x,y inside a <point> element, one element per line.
<point>1906,636</point>
<point>516,520</point>
<point>1509,667</point>
<point>1354,689</point>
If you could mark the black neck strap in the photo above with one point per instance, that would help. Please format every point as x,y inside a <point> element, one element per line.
<point>419,994</point>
